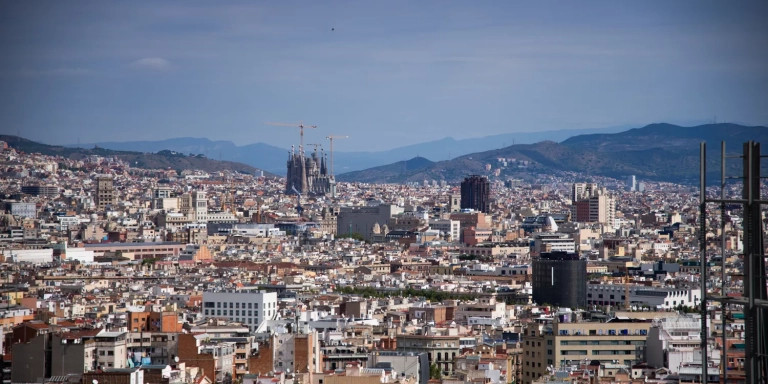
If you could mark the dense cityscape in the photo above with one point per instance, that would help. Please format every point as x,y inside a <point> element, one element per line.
<point>383,192</point>
<point>116,274</point>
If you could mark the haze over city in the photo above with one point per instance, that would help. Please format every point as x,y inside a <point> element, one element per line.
<point>385,73</point>
<point>447,216</point>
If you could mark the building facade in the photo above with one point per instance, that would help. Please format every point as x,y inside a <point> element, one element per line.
<point>250,308</point>
<point>560,344</point>
<point>138,251</point>
<point>476,194</point>
<point>484,307</point>
<point>363,219</point>
<point>674,341</point>
<point>24,210</point>
<point>409,365</point>
<point>40,190</point>
<point>560,279</point>
<point>441,350</point>
<point>642,296</point>
<point>105,192</point>
<point>546,242</point>
<point>592,204</point>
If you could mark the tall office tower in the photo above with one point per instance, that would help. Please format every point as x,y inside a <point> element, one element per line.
<point>200,204</point>
<point>560,279</point>
<point>307,175</point>
<point>105,192</point>
<point>631,183</point>
<point>475,194</point>
<point>592,204</point>
<point>582,190</point>
<point>195,206</point>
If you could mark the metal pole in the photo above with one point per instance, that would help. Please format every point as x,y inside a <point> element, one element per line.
<point>723,276</point>
<point>703,257</point>
<point>755,354</point>
<point>749,355</point>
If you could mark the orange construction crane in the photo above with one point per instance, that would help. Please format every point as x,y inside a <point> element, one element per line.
<point>301,127</point>
<point>331,138</point>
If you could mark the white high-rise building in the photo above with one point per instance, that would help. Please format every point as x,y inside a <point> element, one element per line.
<point>250,308</point>
<point>194,205</point>
<point>447,226</point>
<point>675,341</point>
<point>200,204</point>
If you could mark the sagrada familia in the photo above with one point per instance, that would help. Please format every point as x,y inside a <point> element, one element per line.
<point>307,175</point>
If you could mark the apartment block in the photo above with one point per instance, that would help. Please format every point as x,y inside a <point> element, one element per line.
<point>153,322</point>
<point>558,344</point>
<point>110,350</point>
<point>674,341</point>
<point>592,204</point>
<point>484,307</point>
<point>105,192</point>
<point>247,307</point>
<point>666,298</point>
<point>441,348</point>
<point>362,219</point>
<point>216,358</point>
<point>153,348</point>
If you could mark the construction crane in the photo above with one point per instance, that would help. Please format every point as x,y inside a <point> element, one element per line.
<point>301,127</point>
<point>331,138</point>
<point>299,208</point>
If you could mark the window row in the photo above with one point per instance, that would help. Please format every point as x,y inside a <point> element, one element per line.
<point>232,312</point>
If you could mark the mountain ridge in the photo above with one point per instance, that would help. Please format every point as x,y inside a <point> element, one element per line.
<point>164,159</point>
<point>272,158</point>
<point>386,171</point>
<point>662,152</point>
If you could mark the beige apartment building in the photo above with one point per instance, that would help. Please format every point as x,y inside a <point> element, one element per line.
<point>441,349</point>
<point>565,343</point>
<point>105,192</point>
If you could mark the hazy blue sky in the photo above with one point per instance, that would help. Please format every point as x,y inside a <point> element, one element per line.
<point>386,73</point>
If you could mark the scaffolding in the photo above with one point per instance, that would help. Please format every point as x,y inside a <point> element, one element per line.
<point>754,298</point>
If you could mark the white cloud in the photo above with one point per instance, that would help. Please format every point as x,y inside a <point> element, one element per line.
<point>152,64</point>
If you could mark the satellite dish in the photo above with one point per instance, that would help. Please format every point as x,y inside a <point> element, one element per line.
<point>176,359</point>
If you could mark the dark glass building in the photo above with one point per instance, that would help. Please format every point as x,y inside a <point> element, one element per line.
<point>560,279</point>
<point>476,194</point>
<point>40,190</point>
